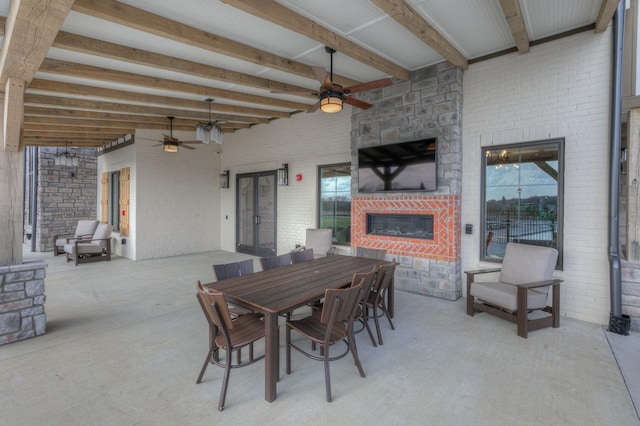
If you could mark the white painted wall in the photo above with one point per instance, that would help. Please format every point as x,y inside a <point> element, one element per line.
<point>558,90</point>
<point>174,197</point>
<point>304,141</point>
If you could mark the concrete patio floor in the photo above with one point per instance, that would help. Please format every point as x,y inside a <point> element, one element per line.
<point>125,341</point>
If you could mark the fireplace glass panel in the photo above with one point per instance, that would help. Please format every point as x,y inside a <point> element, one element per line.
<point>400,225</point>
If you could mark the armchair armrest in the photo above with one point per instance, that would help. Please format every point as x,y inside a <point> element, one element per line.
<point>538,284</point>
<point>482,271</point>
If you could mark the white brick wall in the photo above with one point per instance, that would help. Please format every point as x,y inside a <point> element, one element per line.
<point>558,90</point>
<point>304,141</point>
<point>174,197</point>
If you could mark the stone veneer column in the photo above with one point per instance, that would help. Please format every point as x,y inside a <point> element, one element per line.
<point>428,105</point>
<point>22,301</point>
<point>65,194</point>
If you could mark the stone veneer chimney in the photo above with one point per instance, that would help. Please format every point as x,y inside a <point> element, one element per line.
<point>428,105</point>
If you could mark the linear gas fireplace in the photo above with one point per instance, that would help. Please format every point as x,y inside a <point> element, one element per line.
<point>400,225</point>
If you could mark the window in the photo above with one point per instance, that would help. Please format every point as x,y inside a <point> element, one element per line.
<point>522,197</point>
<point>114,197</point>
<point>114,202</point>
<point>335,201</point>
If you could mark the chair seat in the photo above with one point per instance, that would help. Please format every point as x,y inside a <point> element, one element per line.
<point>506,295</point>
<point>247,328</point>
<point>83,248</point>
<point>312,328</point>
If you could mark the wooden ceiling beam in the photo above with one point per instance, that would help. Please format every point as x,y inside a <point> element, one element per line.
<point>184,125</point>
<point>402,13</point>
<point>37,128</point>
<point>71,135</point>
<point>58,143</point>
<point>141,20</point>
<point>102,74</point>
<point>48,111</point>
<point>144,98</point>
<point>104,49</point>
<point>513,14</point>
<point>30,27</point>
<point>607,10</point>
<point>123,108</point>
<point>274,12</point>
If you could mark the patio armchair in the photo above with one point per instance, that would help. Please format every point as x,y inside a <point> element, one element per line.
<point>521,292</point>
<point>94,249</point>
<point>320,240</point>
<point>84,230</point>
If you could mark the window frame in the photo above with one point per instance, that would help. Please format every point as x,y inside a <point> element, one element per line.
<point>560,143</point>
<point>319,194</point>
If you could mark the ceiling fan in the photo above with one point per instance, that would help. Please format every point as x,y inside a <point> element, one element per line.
<point>171,144</point>
<point>210,131</point>
<point>332,95</point>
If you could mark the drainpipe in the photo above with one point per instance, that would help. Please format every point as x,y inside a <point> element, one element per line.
<point>618,323</point>
<point>35,155</point>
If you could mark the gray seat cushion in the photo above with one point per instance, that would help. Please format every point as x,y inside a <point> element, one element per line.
<point>506,295</point>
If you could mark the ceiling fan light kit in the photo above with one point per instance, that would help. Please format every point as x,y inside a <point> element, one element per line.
<point>170,146</point>
<point>209,132</point>
<point>331,101</point>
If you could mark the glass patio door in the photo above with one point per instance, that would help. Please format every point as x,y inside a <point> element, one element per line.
<point>256,213</point>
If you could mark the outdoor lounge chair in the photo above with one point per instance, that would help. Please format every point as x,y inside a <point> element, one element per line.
<point>95,249</point>
<point>521,292</point>
<point>84,230</point>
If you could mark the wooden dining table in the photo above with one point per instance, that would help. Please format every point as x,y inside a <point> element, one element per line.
<point>280,290</point>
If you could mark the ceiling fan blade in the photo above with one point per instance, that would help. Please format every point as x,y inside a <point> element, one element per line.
<point>192,142</point>
<point>168,138</point>
<point>310,93</point>
<point>182,145</point>
<point>357,103</point>
<point>314,107</point>
<point>376,84</point>
<point>321,74</point>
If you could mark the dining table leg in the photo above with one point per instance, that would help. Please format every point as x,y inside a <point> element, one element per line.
<point>272,356</point>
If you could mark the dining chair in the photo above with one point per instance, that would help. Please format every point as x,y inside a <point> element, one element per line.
<point>366,280</point>
<point>271,262</point>
<point>332,326</point>
<point>376,304</point>
<point>301,256</point>
<point>371,253</point>
<point>233,269</point>
<point>230,335</point>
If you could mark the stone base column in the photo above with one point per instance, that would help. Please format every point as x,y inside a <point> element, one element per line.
<point>22,300</point>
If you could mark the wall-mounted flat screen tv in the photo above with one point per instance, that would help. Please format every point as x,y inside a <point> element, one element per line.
<point>404,166</point>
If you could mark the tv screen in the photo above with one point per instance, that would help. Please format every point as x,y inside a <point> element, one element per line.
<point>404,166</point>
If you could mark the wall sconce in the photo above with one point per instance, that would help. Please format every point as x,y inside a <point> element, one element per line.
<point>224,179</point>
<point>283,175</point>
